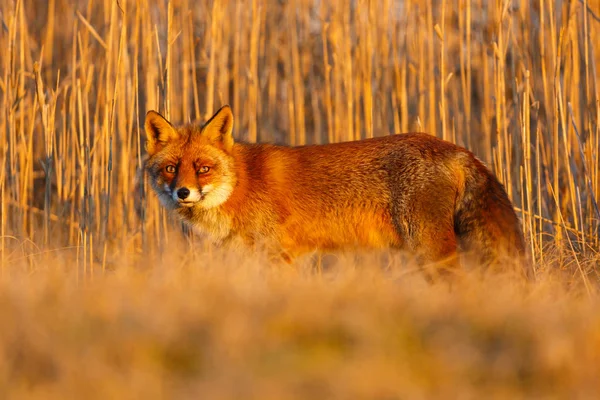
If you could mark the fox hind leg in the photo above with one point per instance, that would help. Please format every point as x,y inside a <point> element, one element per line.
<point>435,248</point>
<point>428,232</point>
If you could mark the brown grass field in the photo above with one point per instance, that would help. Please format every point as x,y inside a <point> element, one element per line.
<point>102,295</point>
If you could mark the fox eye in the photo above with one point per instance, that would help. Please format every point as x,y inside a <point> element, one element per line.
<point>203,170</point>
<point>170,169</point>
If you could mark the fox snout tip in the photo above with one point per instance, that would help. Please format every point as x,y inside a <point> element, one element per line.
<point>183,193</point>
<point>186,197</point>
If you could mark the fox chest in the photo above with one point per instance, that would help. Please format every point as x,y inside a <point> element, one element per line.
<point>210,222</point>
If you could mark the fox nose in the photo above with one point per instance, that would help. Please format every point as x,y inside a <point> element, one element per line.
<point>183,193</point>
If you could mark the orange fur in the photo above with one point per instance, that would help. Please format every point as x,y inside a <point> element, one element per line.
<point>409,191</point>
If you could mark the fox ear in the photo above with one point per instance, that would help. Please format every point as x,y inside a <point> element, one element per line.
<point>219,128</point>
<point>159,132</point>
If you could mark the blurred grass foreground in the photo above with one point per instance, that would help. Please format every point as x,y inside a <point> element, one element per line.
<point>103,296</point>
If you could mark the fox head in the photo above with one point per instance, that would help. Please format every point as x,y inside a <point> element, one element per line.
<point>191,166</point>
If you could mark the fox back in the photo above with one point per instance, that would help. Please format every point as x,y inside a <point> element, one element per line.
<point>409,191</point>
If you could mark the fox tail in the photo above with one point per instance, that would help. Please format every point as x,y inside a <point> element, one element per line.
<point>486,224</point>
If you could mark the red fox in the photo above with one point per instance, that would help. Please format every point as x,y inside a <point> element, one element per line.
<point>408,191</point>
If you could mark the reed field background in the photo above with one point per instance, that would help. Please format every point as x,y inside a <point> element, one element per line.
<point>102,295</point>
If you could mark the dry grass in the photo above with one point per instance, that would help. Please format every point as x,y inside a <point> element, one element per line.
<point>102,296</point>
